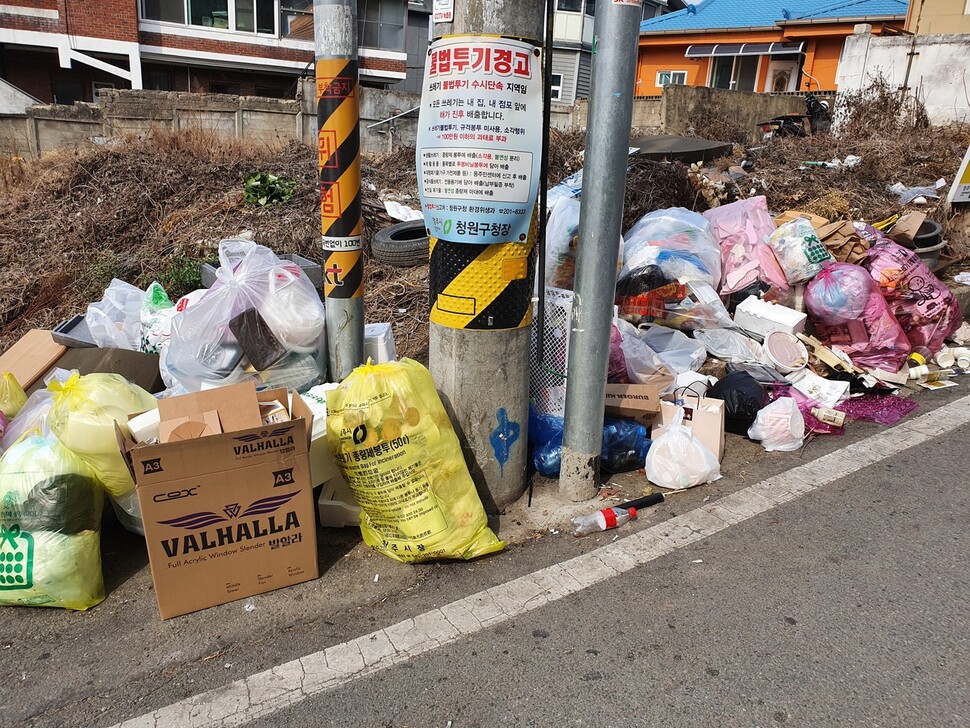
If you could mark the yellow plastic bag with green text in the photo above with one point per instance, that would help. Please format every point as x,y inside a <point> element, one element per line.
<point>399,453</point>
<point>12,396</point>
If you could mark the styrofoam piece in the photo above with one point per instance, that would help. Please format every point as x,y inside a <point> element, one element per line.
<point>379,343</point>
<point>144,427</point>
<point>760,317</point>
<point>336,507</point>
<point>321,457</point>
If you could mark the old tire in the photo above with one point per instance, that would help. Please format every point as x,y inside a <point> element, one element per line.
<point>402,245</point>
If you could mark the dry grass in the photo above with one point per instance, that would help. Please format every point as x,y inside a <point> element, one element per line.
<point>154,208</point>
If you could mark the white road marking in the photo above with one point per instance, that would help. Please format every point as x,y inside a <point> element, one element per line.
<point>270,691</point>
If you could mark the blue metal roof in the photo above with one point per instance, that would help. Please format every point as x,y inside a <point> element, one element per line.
<point>711,14</point>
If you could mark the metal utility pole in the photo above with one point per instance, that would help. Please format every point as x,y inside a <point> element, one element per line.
<point>616,30</point>
<point>338,144</point>
<point>481,295</point>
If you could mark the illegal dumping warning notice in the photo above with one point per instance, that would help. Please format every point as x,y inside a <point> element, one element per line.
<point>480,139</point>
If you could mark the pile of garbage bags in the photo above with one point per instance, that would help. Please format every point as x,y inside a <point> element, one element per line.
<point>262,320</point>
<point>60,457</point>
<point>829,313</point>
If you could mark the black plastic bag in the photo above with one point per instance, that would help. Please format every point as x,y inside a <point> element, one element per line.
<point>742,397</point>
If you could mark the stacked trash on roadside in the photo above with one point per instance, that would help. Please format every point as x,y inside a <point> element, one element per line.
<point>772,328</point>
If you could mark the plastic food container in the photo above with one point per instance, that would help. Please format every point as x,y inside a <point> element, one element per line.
<point>785,352</point>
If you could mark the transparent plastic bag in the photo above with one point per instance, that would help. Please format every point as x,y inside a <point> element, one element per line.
<point>250,280</point>
<point>12,395</point>
<point>779,426</point>
<point>741,229</point>
<point>730,346</point>
<point>642,362</point>
<point>679,242</point>
<point>624,447</point>
<point>115,320</point>
<point>562,235</point>
<point>687,307</point>
<point>50,527</point>
<point>677,459</point>
<point>799,250</point>
<point>83,413</point>
<point>676,350</point>
<point>157,311</point>
<point>398,452</point>
<point>616,372</point>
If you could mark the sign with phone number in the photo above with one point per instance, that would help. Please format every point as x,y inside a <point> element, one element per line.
<point>479,143</point>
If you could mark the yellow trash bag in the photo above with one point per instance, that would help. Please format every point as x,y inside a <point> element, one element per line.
<point>12,396</point>
<point>398,452</point>
<point>82,415</point>
<point>50,527</point>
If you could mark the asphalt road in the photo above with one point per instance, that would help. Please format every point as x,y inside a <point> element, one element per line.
<point>845,606</point>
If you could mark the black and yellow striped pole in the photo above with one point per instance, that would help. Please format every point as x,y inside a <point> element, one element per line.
<point>338,144</point>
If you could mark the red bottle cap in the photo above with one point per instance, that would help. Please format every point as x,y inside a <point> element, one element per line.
<point>633,513</point>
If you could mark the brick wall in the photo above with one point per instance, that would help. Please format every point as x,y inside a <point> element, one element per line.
<point>112,19</point>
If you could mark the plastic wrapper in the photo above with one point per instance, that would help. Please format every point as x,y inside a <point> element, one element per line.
<point>12,395</point>
<point>616,372</point>
<point>679,242</point>
<point>677,459</point>
<point>779,426</point>
<point>743,397</point>
<point>398,452</point>
<point>677,351</point>
<point>157,311</point>
<point>50,527</point>
<point>747,262</point>
<point>115,320</point>
<point>625,444</point>
<point>562,238</point>
<point>839,293</point>
<point>799,250</point>
<point>881,409</point>
<point>83,413</point>
<point>730,346</point>
<point>923,305</point>
<point>204,350</point>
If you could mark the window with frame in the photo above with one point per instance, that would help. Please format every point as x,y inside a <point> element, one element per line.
<point>380,24</point>
<point>569,6</point>
<point>591,8</point>
<point>671,78</point>
<point>296,19</point>
<point>244,16</point>
<point>555,87</point>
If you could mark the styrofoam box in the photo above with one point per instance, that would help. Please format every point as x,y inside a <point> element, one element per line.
<point>760,317</point>
<point>379,343</point>
<point>336,507</point>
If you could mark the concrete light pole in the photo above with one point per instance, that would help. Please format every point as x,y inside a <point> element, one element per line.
<point>480,356</point>
<point>338,144</point>
<point>616,30</point>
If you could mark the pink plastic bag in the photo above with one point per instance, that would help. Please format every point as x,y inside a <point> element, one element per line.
<point>924,307</point>
<point>746,259</point>
<point>616,374</point>
<point>839,293</point>
<point>874,340</point>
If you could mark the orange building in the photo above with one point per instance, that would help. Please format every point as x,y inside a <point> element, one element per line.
<point>756,45</point>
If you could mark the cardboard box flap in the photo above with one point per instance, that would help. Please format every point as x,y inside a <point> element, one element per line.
<point>31,357</point>
<point>300,410</point>
<point>237,405</point>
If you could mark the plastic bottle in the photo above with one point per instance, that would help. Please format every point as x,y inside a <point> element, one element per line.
<point>829,416</point>
<point>919,356</point>
<point>602,520</point>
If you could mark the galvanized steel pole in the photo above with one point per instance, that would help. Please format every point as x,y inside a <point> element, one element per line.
<point>483,374</point>
<point>616,30</point>
<point>338,144</point>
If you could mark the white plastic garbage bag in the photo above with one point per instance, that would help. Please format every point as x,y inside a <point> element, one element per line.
<point>678,241</point>
<point>115,320</point>
<point>677,459</point>
<point>780,426</point>
<point>677,350</point>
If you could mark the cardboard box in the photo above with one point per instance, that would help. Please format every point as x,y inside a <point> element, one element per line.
<point>704,416</point>
<point>905,230</point>
<point>30,358</point>
<point>228,515</point>
<point>789,215</point>
<point>844,242</point>
<point>640,402</point>
<point>137,368</point>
